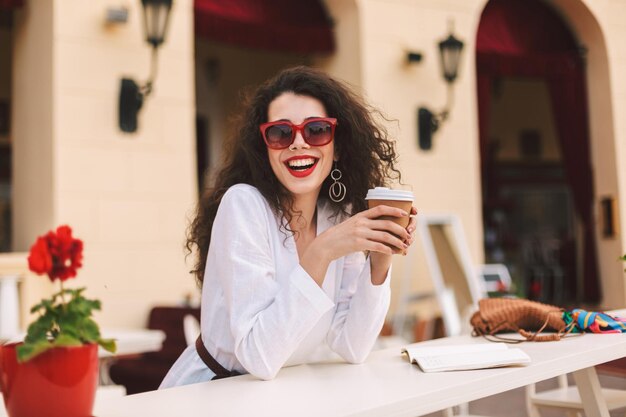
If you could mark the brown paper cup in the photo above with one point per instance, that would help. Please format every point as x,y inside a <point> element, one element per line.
<point>404,205</point>
<point>393,198</point>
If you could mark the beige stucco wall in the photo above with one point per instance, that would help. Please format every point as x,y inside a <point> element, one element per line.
<point>125,195</point>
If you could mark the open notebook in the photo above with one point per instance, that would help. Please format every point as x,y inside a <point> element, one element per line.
<point>465,357</point>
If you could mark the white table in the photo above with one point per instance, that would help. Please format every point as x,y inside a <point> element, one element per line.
<point>385,385</point>
<point>129,342</point>
<point>133,341</point>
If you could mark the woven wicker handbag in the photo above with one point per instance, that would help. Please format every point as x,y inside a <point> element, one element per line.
<point>528,318</point>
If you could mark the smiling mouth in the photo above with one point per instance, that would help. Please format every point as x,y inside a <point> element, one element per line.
<point>301,164</point>
<point>301,167</point>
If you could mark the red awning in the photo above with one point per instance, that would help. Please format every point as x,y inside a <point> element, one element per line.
<point>521,27</point>
<point>11,4</point>
<point>301,26</point>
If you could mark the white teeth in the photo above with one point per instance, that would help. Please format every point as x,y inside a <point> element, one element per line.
<point>301,162</point>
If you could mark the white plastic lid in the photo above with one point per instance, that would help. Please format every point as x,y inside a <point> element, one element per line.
<point>384,193</point>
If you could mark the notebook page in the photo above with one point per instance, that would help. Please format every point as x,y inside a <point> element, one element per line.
<point>472,360</point>
<point>414,351</point>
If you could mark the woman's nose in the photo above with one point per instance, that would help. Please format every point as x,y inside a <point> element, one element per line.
<point>299,142</point>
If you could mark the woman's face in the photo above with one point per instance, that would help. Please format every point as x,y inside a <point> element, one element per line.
<point>300,168</point>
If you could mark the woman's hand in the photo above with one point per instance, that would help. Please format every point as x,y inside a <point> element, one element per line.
<point>381,262</point>
<point>361,232</point>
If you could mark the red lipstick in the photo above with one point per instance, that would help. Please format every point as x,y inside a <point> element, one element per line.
<point>300,173</point>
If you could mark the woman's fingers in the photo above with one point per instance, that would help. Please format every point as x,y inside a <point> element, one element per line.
<point>412,226</point>
<point>413,221</point>
<point>410,229</point>
<point>387,239</point>
<point>383,210</point>
<point>391,227</point>
<point>381,248</point>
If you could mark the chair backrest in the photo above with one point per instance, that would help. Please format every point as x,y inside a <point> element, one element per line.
<point>171,321</point>
<point>496,277</point>
<point>454,277</point>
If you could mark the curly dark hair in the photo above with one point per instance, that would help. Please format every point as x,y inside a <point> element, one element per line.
<point>367,157</point>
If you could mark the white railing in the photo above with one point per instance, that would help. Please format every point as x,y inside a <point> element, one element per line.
<point>13,271</point>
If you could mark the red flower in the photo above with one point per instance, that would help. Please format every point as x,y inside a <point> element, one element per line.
<point>40,260</point>
<point>57,254</point>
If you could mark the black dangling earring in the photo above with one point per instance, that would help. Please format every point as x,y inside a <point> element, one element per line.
<point>337,190</point>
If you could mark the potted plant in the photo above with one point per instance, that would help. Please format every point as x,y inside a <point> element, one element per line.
<point>54,372</point>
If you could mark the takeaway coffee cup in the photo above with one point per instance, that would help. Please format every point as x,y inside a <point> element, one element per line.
<point>393,198</point>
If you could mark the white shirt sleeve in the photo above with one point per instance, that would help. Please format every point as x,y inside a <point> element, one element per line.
<point>267,320</point>
<point>361,310</point>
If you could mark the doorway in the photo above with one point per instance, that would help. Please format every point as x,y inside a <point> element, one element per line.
<point>527,206</point>
<point>535,152</point>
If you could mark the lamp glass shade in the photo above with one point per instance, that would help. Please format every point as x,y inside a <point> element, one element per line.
<point>156,15</point>
<point>450,52</point>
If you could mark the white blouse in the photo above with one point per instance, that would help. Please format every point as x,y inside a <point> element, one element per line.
<point>261,311</point>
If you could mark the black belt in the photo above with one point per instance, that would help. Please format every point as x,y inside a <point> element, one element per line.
<point>219,371</point>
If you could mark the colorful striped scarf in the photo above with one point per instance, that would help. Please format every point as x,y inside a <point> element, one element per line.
<point>593,322</point>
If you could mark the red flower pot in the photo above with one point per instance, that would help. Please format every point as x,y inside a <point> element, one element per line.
<point>60,382</point>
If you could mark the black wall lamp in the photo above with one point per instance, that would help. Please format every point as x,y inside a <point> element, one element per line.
<point>427,121</point>
<point>156,15</point>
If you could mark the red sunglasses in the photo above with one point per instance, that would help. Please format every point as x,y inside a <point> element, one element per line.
<point>316,131</point>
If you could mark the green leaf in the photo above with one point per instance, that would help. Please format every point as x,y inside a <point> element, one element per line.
<point>69,319</point>
<point>77,292</point>
<point>39,329</point>
<point>28,351</point>
<point>36,334</point>
<point>90,330</point>
<point>71,332</point>
<point>64,339</point>
<point>108,344</point>
<point>36,308</point>
<point>83,306</point>
<point>43,305</point>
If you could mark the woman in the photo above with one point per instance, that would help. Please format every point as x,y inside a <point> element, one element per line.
<point>282,235</point>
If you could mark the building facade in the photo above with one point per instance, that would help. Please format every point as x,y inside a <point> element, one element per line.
<point>129,196</point>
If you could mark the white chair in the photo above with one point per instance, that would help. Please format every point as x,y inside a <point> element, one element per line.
<point>191,328</point>
<point>567,398</point>
<point>495,277</point>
